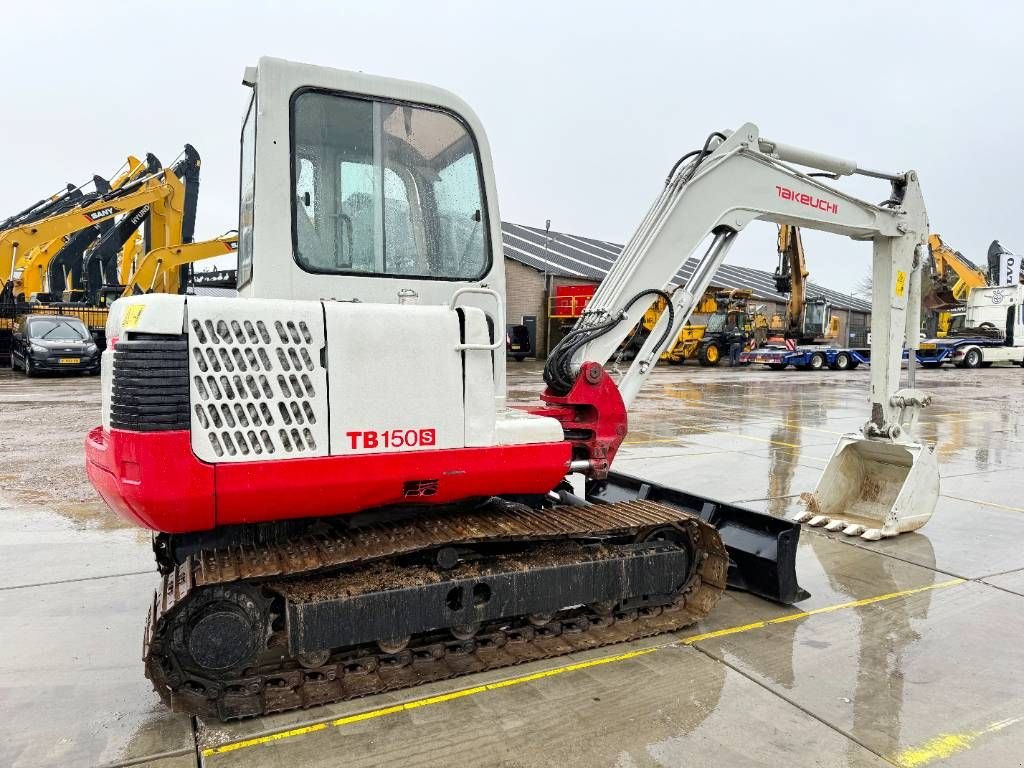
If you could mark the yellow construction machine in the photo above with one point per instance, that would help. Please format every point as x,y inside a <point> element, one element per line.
<point>27,251</point>
<point>953,277</point>
<point>159,271</point>
<point>807,320</point>
<point>729,318</point>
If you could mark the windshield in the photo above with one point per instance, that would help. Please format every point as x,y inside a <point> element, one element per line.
<point>58,329</point>
<point>385,189</point>
<point>716,323</point>
<point>814,315</point>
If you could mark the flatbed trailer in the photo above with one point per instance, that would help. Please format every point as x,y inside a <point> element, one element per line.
<point>807,358</point>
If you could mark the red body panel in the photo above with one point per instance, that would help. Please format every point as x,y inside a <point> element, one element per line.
<point>154,480</point>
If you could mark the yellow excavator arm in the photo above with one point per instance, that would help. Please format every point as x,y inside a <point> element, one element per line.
<point>159,270</point>
<point>20,247</point>
<point>791,275</point>
<point>954,276</point>
<point>37,261</point>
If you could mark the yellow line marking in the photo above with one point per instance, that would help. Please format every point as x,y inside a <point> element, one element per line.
<point>462,693</point>
<point>946,745</point>
<point>985,503</point>
<point>816,611</point>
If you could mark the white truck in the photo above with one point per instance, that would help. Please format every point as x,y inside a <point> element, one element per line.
<point>992,332</point>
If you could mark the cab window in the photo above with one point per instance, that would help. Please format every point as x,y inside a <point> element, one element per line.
<point>382,188</point>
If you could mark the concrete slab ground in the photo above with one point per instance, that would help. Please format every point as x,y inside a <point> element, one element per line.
<point>906,653</point>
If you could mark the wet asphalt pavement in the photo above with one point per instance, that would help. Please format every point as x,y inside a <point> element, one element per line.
<point>907,653</point>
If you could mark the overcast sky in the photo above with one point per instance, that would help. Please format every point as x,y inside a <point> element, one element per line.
<point>586,104</point>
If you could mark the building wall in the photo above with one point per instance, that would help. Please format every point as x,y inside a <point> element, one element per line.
<point>524,287</point>
<point>527,294</point>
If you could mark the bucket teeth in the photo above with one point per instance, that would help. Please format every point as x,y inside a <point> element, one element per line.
<point>853,529</point>
<point>836,525</point>
<point>818,520</point>
<point>803,517</point>
<point>872,534</point>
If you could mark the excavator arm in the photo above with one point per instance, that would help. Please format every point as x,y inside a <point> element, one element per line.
<point>791,277</point>
<point>732,181</point>
<point>954,276</point>
<point>18,246</point>
<point>158,271</point>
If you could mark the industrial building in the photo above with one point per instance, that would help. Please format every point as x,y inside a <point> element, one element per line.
<point>540,261</point>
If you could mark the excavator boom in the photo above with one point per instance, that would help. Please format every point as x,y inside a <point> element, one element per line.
<point>27,254</point>
<point>737,178</point>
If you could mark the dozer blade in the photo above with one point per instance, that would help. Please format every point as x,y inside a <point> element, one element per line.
<point>762,548</point>
<point>875,488</point>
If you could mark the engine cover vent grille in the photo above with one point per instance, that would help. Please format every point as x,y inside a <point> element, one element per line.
<point>258,389</point>
<point>149,391</point>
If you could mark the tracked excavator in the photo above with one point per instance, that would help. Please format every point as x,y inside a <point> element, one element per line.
<point>342,500</point>
<point>808,320</point>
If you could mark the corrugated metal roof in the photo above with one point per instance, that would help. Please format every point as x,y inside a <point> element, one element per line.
<point>574,256</point>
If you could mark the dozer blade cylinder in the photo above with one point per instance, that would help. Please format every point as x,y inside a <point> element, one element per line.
<point>762,548</point>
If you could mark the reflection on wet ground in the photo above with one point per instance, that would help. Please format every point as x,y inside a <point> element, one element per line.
<point>906,653</point>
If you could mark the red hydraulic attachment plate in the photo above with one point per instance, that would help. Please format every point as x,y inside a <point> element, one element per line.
<point>593,417</point>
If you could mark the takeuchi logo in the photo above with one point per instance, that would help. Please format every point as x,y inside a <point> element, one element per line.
<point>810,201</point>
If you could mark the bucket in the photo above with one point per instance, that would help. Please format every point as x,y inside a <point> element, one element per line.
<point>874,488</point>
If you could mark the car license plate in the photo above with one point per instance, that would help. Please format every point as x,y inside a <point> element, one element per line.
<point>926,346</point>
<point>517,346</point>
<point>70,360</point>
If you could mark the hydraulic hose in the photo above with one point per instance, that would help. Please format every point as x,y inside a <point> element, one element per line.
<point>558,373</point>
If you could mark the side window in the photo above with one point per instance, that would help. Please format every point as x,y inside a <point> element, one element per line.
<point>460,235</point>
<point>247,195</point>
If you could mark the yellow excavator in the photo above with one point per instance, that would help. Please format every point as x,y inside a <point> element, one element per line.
<point>57,265</point>
<point>953,277</point>
<point>25,247</point>
<point>807,320</point>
